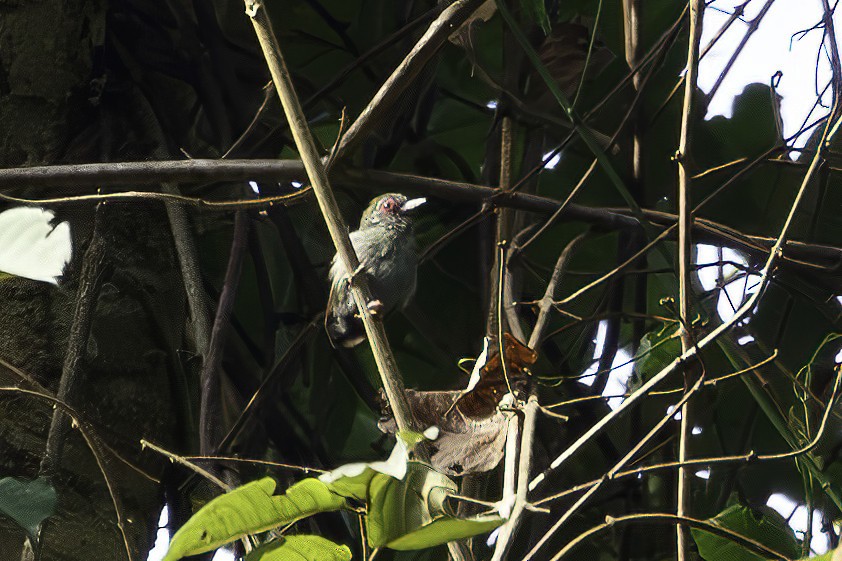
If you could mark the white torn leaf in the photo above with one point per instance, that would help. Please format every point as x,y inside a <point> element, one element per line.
<point>431,433</point>
<point>31,246</point>
<point>505,506</point>
<point>395,466</point>
<point>478,366</point>
<point>492,537</point>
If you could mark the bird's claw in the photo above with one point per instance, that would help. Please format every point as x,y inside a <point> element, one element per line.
<point>375,307</point>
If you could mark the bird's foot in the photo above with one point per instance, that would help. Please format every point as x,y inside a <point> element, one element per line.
<point>375,307</point>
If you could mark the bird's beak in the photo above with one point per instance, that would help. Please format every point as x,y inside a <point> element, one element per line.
<point>413,203</point>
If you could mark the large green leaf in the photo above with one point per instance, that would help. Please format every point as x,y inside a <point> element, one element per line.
<point>26,502</point>
<point>767,528</point>
<point>248,510</point>
<point>300,548</point>
<point>412,514</point>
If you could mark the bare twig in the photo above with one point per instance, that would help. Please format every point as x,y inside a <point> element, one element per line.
<point>436,35</point>
<point>210,413</point>
<point>91,442</point>
<point>530,411</point>
<point>547,302</point>
<point>830,131</point>
<point>665,419</point>
<point>685,262</point>
<point>753,26</point>
<point>383,356</point>
<point>189,465</point>
<point>747,458</point>
<point>661,518</point>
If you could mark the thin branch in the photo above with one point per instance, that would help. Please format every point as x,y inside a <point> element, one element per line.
<point>660,518</point>
<point>665,419</point>
<point>261,393</point>
<point>753,26</point>
<point>830,131</point>
<point>210,412</point>
<point>404,75</point>
<point>316,172</point>
<point>90,441</point>
<point>267,463</point>
<point>747,458</point>
<point>685,263</point>
<point>189,465</point>
<point>507,532</point>
<point>546,303</point>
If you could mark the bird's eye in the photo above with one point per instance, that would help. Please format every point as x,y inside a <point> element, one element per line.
<point>389,205</point>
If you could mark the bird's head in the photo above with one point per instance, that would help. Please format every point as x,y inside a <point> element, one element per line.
<point>390,209</point>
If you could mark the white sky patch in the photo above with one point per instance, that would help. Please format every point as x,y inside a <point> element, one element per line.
<point>838,358</point>
<point>767,52</point>
<point>491,104</point>
<point>553,162</point>
<point>839,299</point>
<point>618,379</point>
<point>162,539</point>
<point>254,187</point>
<point>797,516</point>
<point>677,416</point>
<point>296,184</point>
<point>589,375</point>
<point>738,285</point>
<point>696,431</point>
<point>223,555</point>
<point>745,340</point>
<point>703,473</point>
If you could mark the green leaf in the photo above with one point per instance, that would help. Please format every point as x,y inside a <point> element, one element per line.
<point>248,510</point>
<point>537,12</point>
<point>412,514</point>
<point>657,349</point>
<point>352,480</point>
<point>766,527</point>
<point>300,548</point>
<point>26,502</point>
<point>445,529</point>
<point>353,486</point>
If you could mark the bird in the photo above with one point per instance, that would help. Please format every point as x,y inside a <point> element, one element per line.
<point>385,246</point>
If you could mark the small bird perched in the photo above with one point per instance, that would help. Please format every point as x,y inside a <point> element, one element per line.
<point>385,246</point>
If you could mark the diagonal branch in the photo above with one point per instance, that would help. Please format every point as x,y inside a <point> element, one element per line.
<point>210,411</point>
<point>317,174</point>
<point>448,21</point>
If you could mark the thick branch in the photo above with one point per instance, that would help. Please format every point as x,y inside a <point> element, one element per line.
<point>314,166</point>
<point>800,256</point>
<point>90,280</point>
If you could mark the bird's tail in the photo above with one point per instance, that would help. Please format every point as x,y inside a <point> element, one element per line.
<point>344,327</point>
